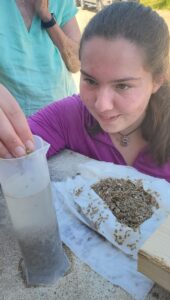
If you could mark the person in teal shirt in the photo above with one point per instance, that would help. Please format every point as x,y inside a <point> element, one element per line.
<point>38,50</point>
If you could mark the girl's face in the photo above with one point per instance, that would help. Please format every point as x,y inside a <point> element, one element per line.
<point>114,86</point>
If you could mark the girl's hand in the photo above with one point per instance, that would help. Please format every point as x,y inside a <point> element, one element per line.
<point>15,135</point>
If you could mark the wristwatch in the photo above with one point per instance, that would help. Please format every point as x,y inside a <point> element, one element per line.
<point>50,23</point>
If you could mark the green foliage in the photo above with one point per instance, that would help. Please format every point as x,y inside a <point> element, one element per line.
<point>157,4</point>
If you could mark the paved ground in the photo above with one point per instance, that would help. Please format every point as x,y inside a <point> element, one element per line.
<point>166,15</point>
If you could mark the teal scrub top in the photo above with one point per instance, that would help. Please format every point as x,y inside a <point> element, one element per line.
<point>31,67</point>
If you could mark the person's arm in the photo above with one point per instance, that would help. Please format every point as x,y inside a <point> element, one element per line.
<point>66,39</point>
<point>15,135</point>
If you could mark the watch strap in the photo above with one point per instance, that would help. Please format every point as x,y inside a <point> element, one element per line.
<point>50,23</point>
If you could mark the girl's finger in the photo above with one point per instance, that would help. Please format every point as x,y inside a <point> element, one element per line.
<point>15,126</point>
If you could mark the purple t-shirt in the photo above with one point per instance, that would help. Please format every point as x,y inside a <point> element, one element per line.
<point>62,125</point>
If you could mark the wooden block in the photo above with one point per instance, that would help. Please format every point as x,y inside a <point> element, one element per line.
<point>154,256</point>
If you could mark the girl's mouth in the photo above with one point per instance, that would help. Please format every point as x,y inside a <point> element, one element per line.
<point>107,119</point>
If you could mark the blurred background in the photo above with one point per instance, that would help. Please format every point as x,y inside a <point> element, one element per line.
<point>98,4</point>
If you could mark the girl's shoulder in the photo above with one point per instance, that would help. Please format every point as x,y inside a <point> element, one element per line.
<point>69,109</point>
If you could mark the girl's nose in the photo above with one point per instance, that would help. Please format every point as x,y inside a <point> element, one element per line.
<point>104,100</point>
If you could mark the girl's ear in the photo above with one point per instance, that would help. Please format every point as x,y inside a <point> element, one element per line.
<point>157,83</point>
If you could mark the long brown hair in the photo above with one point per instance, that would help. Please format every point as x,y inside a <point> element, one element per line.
<point>144,27</point>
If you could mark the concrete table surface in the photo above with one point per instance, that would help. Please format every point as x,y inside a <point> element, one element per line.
<point>80,283</point>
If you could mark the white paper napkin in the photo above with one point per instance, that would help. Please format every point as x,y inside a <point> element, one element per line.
<point>72,199</point>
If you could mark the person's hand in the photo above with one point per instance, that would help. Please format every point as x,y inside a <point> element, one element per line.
<point>41,8</point>
<point>15,135</point>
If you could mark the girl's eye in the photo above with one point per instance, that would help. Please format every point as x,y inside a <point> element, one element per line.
<point>122,86</point>
<point>90,81</point>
